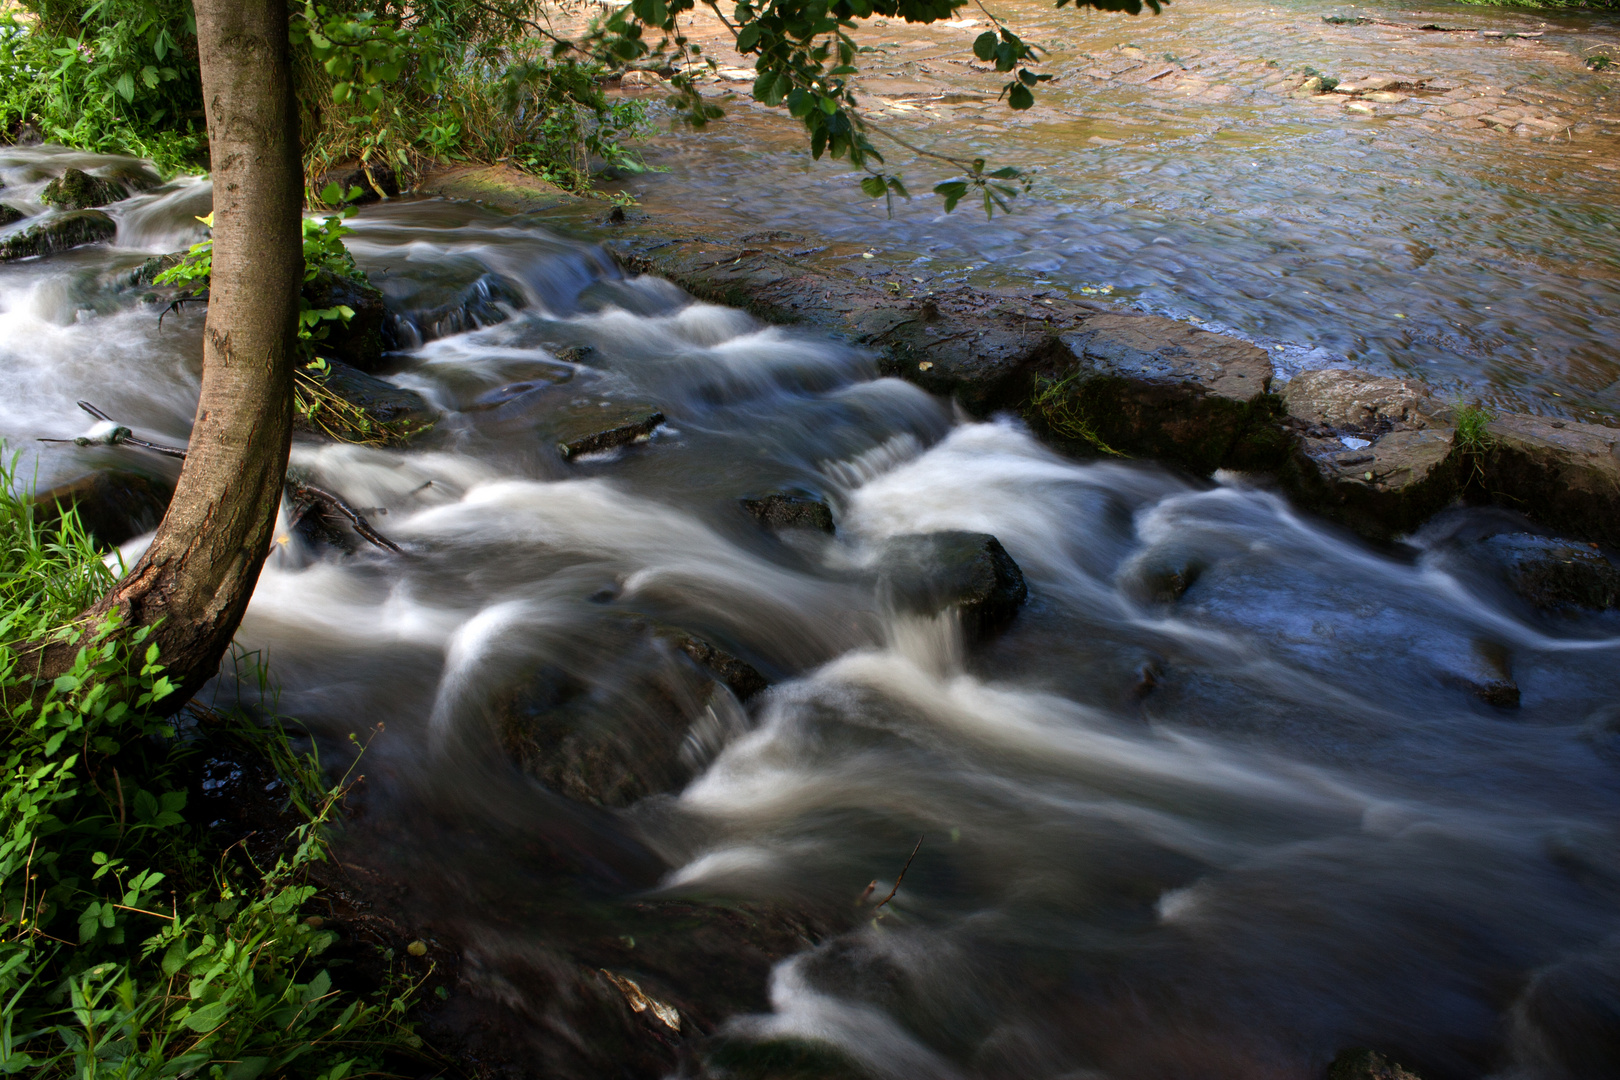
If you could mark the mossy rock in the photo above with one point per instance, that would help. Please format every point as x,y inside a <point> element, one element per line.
<point>60,233</point>
<point>10,215</point>
<point>76,189</point>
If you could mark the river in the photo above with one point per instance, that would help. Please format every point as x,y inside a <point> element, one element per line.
<point>1228,836</point>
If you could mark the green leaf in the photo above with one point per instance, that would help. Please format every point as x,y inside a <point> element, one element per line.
<point>247,1068</point>
<point>1020,97</point>
<point>984,46</point>
<point>748,37</point>
<point>874,186</point>
<point>952,190</point>
<point>208,1017</point>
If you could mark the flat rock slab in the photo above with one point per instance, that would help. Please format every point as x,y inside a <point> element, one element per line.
<point>1346,401</point>
<point>1152,387</point>
<point>59,233</point>
<point>591,428</point>
<point>930,572</point>
<point>499,186</point>
<point>1560,472</point>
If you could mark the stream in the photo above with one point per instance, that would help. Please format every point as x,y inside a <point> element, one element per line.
<point>1225,836</point>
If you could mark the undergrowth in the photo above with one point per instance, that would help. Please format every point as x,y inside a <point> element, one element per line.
<point>134,942</point>
<point>377,82</point>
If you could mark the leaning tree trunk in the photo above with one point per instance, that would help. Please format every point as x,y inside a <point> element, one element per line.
<point>200,570</point>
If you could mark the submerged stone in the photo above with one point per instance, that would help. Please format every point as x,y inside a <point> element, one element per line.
<point>451,296</point>
<point>930,572</point>
<point>783,511</point>
<point>76,189</point>
<point>59,233</point>
<point>591,428</point>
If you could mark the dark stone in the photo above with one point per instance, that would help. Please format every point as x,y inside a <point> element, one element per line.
<point>576,354</point>
<point>451,296</point>
<point>743,679</point>
<point>929,572</point>
<point>375,182</point>
<point>782,511</point>
<point>360,343</point>
<point>59,233</point>
<point>10,215</point>
<point>382,401</point>
<point>1487,673</point>
<point>591,429</point>
<point>1145,386</point>
<point>76,189</point>
<point>114,505</point>
<point>1361,1063</point>
<point>1554,573</point>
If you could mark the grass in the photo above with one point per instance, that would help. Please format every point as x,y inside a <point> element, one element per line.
<point>49,572</point>
<point>1471,427</point>
<point>1054,403</point>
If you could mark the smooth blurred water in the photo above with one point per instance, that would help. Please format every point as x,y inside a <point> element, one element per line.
<point>1302,833</point>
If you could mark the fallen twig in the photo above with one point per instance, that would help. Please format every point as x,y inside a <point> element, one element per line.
<point>326,498</point>
<point>901,876</point>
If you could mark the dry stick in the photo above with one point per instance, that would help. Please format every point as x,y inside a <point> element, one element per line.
<point>361,525</point>
<point>120,785</point>
<point>902,875</point>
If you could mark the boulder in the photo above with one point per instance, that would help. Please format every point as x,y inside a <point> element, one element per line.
<point>10,215</point>
<point>1361,1063</point>
<point>382,401</point>
<point>360,343</point>
<point>375,182</point>
<point>1146,386</point>
<point>1554,573</point>
<point>929,572</point>
<point>1563,473</point>
<point>779,510</point>
<point>59,233</point>
<point>76,189</point>
<point>591,428</point>
<point>1374,452</point>
<point>114,505</point>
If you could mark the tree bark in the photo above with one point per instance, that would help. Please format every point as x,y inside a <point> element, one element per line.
<point>197,576</point>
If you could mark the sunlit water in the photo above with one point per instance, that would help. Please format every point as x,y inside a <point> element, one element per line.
<point>1403,239</point>
<point>1308,834</point>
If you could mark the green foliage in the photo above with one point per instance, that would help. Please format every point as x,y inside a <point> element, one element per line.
<point>48,573</point>
<point>1472,434</point>
<point>113,76</point>
<point>1054,404</point>
<point>131,945</point>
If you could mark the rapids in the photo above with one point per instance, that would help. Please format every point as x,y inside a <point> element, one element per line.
<point>1227,836</point>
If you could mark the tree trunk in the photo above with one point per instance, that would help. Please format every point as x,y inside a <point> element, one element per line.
<point>199,572</point>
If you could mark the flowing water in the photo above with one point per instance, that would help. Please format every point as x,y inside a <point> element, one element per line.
<point>1465,234</point>
<point>1227,836</point>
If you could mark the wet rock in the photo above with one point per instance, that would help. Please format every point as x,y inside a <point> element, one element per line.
<point>783,511</point>
<point>360,343</point>
<point>1370,451</point>
<point>450,296</point>
<point>114,505</point>
<point>76,189</point>
<point>741,677</point>
<point>929,572</point>
<point>1151,387</point>
<point>144,274</point>
<point>982,365</point>
<point>1487,673</point>
<point>10,215</point>
<point>1342,400</point>
<point>132,176</point>
<point>1364,1064</point>
<point>1554,573</point>
<point>1567,1024</point>
<point>1562,473</point>
<point>592,428</point>
<point>59,233</point>
<point>1164,579</point>
<point>375,181</point>
<point>380,400</point>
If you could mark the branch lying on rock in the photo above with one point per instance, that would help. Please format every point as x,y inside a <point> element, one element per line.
<point>307,494</point>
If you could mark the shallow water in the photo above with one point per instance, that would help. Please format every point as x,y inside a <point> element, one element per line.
<point>1403,239</point>
<point>1224,837</point>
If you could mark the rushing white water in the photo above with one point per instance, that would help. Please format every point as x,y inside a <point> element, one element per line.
<point>1302,833</point>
